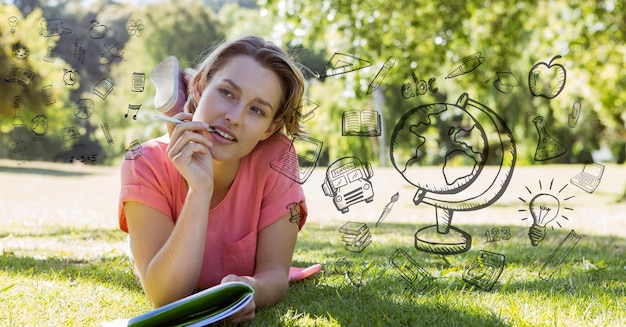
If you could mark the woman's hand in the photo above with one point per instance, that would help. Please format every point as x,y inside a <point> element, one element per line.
<point>189,150</point>
<point>247,313</point>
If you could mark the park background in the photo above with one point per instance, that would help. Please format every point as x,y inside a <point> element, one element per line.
<point>58,220</point>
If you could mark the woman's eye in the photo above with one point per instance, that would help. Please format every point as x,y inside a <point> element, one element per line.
<point>227,93</point>
<point>257,110</point>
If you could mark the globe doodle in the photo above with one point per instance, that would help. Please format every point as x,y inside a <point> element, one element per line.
<point>476,153</point>
<point>462,139</point>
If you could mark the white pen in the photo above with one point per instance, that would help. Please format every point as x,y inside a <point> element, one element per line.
<point>178,121</point>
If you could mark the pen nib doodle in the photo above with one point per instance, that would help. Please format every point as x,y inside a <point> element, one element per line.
<point>470,63</point>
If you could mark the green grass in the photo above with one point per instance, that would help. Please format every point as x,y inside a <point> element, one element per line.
<point>64,263</point>
<point>588,290</point>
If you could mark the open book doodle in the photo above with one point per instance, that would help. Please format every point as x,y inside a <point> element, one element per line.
<point>365,122</point>
<point>20,76</point>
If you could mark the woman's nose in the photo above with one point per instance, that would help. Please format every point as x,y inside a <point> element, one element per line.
<point>234,115</point>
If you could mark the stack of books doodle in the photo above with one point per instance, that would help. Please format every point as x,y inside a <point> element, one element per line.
<point>356,236</point>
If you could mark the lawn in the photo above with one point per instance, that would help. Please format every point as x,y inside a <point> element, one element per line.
<point>63,261</point>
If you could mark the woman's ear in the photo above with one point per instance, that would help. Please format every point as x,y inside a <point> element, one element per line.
<point>273,128</point>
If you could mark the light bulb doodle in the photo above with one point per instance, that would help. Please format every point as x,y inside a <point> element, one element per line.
<point>12,23</point>
<point>544,208</point>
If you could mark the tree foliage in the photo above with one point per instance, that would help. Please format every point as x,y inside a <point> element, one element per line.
<point>103,40</point>
<point>430,38</point>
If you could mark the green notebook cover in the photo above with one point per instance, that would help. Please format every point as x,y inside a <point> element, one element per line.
<point>200,309</point>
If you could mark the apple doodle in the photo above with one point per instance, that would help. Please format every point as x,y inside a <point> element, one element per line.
<point>547,80</point>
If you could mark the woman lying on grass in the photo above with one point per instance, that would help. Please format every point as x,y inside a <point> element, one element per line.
<point>203,206</point>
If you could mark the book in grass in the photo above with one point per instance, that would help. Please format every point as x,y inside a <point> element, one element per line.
<point>200,309</point>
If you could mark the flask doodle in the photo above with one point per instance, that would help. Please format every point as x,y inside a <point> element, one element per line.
<point>547,146</point>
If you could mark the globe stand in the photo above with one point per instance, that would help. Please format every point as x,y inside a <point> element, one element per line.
<point>442,238</point>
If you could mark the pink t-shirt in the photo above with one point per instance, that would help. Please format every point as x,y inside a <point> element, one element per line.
<point>258,197</point>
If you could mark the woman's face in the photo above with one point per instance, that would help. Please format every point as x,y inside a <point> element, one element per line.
<point>239,102</point>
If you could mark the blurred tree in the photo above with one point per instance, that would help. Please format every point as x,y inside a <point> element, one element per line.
<point>185,29</point>
<point>430,39</point>
<point>104,41</point>
<point>31,87</point>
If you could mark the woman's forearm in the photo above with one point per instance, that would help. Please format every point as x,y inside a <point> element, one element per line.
<point>174,271</point>
<point>270,287</point>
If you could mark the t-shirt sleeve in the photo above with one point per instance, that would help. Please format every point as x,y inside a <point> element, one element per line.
<point>143,180</point>
<point>280,193</point>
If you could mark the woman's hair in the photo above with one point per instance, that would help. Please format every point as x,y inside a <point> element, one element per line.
<point>268,55</point>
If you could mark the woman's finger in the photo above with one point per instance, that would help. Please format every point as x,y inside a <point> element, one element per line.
<point>186,154</point>
<point>184,138</point>
<point>184,116</point>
